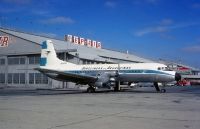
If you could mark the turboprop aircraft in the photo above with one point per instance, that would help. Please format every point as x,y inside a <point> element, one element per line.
<point>102,75</point>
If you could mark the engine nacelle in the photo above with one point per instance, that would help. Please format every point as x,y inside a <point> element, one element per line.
<point>106,80</point>
<point>113,74</point>
<point>99,84</point>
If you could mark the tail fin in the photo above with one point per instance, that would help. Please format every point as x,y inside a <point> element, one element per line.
<point>48,55</point>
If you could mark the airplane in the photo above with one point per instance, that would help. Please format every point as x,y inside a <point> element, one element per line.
<point>102,75</point>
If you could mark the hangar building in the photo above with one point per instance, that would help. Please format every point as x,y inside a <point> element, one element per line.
<point>20,54</point>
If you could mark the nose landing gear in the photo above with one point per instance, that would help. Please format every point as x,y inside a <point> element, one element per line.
<point>163,90</point>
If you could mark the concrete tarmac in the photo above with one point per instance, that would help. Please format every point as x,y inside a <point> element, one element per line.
<point>142,108</point>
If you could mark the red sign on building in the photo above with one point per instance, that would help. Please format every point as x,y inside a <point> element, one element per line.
<point>181,68</point>
<point>83,41</point>
<point>4,40</point>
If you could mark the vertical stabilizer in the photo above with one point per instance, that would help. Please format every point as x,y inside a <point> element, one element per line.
<point>48,55</point>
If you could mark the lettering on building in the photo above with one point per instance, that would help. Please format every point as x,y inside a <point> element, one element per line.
<point>4,40</point>
<point>82,41</point>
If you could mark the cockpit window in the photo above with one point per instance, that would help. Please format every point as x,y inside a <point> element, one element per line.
<point>164,68</point>
<point>161,68</point>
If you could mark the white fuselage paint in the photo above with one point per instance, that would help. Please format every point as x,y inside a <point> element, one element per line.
<point>138,72</point>
<point>130,72</point>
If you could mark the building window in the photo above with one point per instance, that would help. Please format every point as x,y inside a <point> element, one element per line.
<point>37,59</point>
<point>2,61</point>
<point>31,60</point>
<point>2,78</point>
<point>41,78</point>
<point>34,59</point>
<point>16,60</point>
<point>16,78</point>
<point>21,60</point>
<point>10,61</point>
<point>10,78</point>
<point>22,78</point>
<point>37,78</point>
<point>31,78</point>
<point>44,79</point>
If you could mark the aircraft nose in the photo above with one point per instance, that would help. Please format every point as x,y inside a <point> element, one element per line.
<point>177,76</point>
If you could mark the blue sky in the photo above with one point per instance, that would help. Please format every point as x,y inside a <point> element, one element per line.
<point>155,29</point>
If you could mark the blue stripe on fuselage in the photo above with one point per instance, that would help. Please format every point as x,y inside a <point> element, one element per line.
<point>95,72</point>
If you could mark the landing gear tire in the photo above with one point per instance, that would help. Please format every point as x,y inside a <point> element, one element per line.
<point>163,90</point>
<point>117,87</point>
<point>90,90</point>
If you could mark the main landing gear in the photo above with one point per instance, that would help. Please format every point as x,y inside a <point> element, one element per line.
<point>158,88</point>
<point>117,86</point>
<point>91,89</point>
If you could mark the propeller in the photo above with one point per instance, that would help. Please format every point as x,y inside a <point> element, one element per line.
<point>177,77</point>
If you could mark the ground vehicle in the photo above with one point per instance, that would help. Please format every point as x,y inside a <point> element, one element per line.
<point>183,82</point>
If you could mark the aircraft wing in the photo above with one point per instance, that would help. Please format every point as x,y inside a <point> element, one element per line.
<point>81,78</point>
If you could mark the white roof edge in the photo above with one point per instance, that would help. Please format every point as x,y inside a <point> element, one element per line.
<point>32,38</point>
